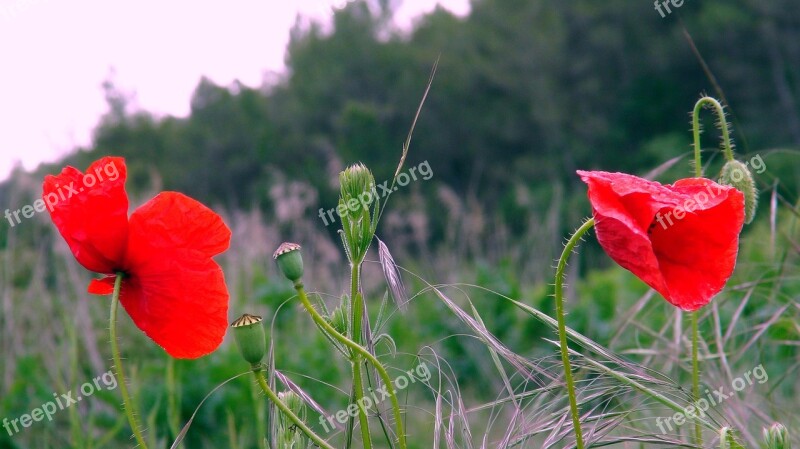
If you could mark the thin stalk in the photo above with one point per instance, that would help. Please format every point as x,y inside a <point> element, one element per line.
<point>127,404</point>
<point>356,318</point>
<point>262,382</point>
<point>562,328</point>
<point>698,172</point>
<point>723,125</point>
<point>698,432</point>
<point>387,381</point>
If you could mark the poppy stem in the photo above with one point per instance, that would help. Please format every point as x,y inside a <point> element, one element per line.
<point>127,405</point>
<point>262,382</point>
<point>698,432</point>
<point>357,304</point>
<point>723,126</point>
<point>387,381</point>
<point>562,328</point>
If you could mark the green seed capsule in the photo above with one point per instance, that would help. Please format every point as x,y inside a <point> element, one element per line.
<point>736,174</point>
<point>248,331</point>
<point>289,260</point>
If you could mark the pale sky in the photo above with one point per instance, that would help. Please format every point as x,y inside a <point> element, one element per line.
<point>55,54</point>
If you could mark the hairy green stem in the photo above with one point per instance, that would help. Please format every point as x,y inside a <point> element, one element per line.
<point>698,432</point>
<point>356,348</point>
<point>262,382</point>
<point>356,318</point>
<point>698,172</point>
<point>723,124</point>
<point>127,404</point>
<point>562,328</point>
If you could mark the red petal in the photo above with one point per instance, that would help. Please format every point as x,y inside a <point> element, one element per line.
<point>176,293</point>
<point>688,260</point>
<point>103,286</point>
<point>91,212</point>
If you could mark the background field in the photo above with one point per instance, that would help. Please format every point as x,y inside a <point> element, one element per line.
<point>525,93</point>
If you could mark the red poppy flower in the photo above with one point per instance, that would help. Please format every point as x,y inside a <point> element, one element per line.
<point>172,289</point>
<point>680,239</point>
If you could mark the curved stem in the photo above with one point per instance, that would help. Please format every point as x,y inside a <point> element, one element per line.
<point>387,381</point>
<point>127,405</point>
<point>562,328</point>
<point>357,314</point>
<point>262,382</point>
<point>723,124</point>
<point>698,432</point>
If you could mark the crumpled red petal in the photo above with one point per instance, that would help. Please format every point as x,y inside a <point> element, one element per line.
<point>176,294</point>
<point>687,260</point>
<point>91,216</point>
<point>104,286</point>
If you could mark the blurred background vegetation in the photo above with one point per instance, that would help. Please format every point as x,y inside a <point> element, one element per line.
<point>525,93</point>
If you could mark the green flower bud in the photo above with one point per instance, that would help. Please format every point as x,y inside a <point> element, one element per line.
<point>248,331</point>
<point>338,319</point>
<point>777,437</point>
<point>736,174</point>
<point>289,437</point>
<point>356,182</point>
<point>358,208</point>
<point>289,260</point>
<point>294,402</point>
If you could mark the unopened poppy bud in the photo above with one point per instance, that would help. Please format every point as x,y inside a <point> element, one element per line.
<point>777,437</point>
<point>248,331</point>
<point>736,174</point>
<point>289,260</point>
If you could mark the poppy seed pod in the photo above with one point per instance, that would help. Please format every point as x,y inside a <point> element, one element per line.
<point>736,174</point>
<point>289,260</point>
<point>777,437</point>
<point>248,331</point>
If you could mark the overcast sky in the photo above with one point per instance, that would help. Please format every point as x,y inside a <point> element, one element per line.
<point>54,55</point>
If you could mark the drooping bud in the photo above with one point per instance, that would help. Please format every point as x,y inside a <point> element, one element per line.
<point>777,437</point>
<point>289,260</point>
<point>248,331</point>
<point>736,174</point>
